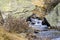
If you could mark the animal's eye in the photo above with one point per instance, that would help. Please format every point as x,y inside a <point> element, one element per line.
<point>38,22</point>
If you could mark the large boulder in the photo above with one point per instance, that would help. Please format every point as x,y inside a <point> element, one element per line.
<point>19,7</point>
<point>54,16</point>
<point>13,5</point>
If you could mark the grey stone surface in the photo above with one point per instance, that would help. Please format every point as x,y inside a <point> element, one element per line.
<point>49,34</point>
<point>16,8</point>
<point>56,38</point>
<point>54,16</point>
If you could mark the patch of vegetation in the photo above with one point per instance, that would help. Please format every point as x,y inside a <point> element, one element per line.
<point>4,35</point>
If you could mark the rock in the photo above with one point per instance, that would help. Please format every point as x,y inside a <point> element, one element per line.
<point>54,16</point>
<point>48,35</point>
<point>56,39</point>
<point>13,5</point>
<point>16,8</point>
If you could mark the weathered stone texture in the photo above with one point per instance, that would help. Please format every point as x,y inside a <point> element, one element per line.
<point>54,16</point>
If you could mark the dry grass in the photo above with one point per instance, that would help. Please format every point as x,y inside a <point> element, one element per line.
<point>19,26</point>
<point>4,35</point>
<point>16,25</point>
